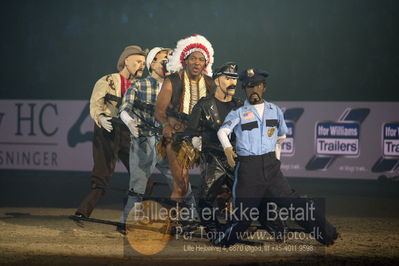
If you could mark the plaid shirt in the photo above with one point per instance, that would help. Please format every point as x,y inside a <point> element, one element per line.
<point>146,91</point>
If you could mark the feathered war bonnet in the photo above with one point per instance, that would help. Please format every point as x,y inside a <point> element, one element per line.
<point>187,46</point>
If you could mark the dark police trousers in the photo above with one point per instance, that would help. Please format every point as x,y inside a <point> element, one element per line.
<point>257,177</point>
<point>108,147</point>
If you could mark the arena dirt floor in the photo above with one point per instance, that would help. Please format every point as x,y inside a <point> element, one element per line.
<point>35,228</point>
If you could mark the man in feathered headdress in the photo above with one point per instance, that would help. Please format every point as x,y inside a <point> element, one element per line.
<point>191,62</point>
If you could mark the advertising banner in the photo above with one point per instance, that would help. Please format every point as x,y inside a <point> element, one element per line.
<point>341,139</point>
<point>45,135</point>
<point>325,139</point>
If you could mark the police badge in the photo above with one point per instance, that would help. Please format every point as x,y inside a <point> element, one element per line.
<point>250,73</point>
<point>270,131</point>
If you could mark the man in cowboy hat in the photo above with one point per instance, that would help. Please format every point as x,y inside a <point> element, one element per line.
<point>111,139</point>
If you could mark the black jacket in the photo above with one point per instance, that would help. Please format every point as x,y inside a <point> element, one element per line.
<point>205,120</point>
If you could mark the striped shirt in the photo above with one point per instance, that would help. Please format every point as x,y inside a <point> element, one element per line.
<point>145,91</point>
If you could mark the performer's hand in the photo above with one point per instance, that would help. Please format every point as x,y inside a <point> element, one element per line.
<point>280,139</point>
<point>105,122</point>
<point>168,131</point>
<point>197,142</point>
<point>133,127</point>
<point>230,155</point>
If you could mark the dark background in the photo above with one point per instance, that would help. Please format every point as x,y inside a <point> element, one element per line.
<point>341,50</point>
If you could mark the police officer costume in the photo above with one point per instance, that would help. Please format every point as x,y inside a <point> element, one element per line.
<point>217,176</point>
<point>258,171</point>
<point>206,118</point>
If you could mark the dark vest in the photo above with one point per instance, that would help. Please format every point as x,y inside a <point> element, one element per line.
<point>177,87</point>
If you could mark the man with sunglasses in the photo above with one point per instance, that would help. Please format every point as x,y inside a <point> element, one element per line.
<point>140,121</point>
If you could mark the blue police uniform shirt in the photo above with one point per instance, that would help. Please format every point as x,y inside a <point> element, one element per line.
<point>253,135</point>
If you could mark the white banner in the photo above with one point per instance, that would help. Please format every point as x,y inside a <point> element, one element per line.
<point>341,139</point>
<point>46,135</point>
<point>325,139</point>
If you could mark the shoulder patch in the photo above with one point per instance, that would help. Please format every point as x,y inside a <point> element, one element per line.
<point>227,123</point>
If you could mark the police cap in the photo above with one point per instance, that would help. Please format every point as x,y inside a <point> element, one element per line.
<point>229,69</point>
<point>252,77</point>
